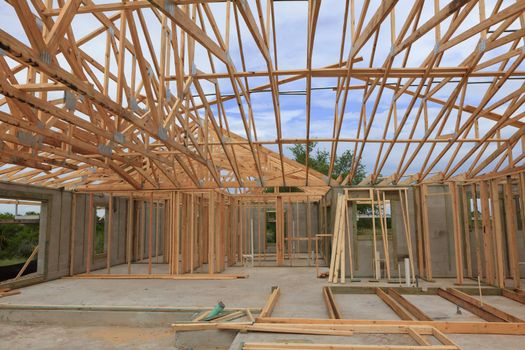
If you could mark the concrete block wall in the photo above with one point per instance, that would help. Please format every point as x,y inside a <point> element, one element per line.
<point>441,231</point>
<point>55,228</point>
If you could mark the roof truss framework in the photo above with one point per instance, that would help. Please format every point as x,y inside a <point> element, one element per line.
<point>162,94</point>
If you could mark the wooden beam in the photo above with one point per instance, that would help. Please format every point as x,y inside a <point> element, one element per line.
<point>400,311</point>
<point>414,310</point>
<point>270,303</point>
<point>501,328</point>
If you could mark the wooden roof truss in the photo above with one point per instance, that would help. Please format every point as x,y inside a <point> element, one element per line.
<point>124,105</point>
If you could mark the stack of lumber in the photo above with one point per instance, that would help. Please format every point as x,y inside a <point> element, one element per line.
<point>5,292</point>
<point>337,260</point>
<point>223,319</point>
<point>201,321</point>
<point>224,316</point>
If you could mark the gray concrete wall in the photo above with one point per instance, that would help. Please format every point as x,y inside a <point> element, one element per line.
<point>55,229</point>
<point>441,231</point>
<point>55,226</point>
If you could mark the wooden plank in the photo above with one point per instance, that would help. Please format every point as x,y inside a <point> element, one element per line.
<point>477,237</point>
<point>270,303</point>
<point>458,242</point>
<point>197,326</point>
<point>465,207</point>
<point>150,234</point>
<point>26,264</point>
<point>328,346</point>
<point>9,293</point>
<point>129,231</point>
<point>512,243</point>
<point>408,236</point>
<point>418,338</point>
<point>178,16</point>
<point>498,235</point>
<point>110,233</point>
<point>419,231</point>
<point>63,21</point>
<point>73,234</point>
<point>279,245</point>
<point>187,276</point>
<point>192,232</point>
<point>488,255</point>
<point>176,233</point>
<point>400,312</point>
<point>487,316</point>
<point>331,306</point>
<point>484,306</point>
<point>384,230</point>
<point>90,242</point>
<point>280,329</point>
<point>211,233</point>
<point>426,232</point>
<point>510,294</point>
<point>501,328</point>
<point>414,310</point>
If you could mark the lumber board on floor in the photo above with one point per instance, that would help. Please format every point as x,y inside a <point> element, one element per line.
<point>414,310</point>
<point>485,315</point>
<point>202,326</point>
<point>290,329</point>
<point>309,346</point>
<point>8,292</point>
<point>331,306</point>
<point>501,328</point>
<point>485,306</point>
<point>194,276</point>
<point>120,308</point>
<point>271,302</point>
<point>510,294</point>
<point>400,311</point>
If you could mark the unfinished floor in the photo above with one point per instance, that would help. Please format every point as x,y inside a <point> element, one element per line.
<point>301,297</point>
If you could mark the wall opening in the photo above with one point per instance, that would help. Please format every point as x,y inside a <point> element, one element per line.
<point>101,231</point>
<point>270,226</point>
<point>19,237</point>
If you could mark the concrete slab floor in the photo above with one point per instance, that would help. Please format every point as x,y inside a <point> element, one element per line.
<point>466,342</point>
<point>441,309</point>
<point>369,339</point>
<point>23,337</point>
<point>301,296</point>
<point>504,304</point>
<point>363,307</point>
<point>249,292</point>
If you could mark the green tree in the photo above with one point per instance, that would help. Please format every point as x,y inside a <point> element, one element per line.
<point>320,160</point>
<point>17,240</point>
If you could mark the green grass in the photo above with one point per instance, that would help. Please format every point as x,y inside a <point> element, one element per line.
<point>12,261</point>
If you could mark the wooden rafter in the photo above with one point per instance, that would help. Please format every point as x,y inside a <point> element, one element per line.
<point>143,115</point>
